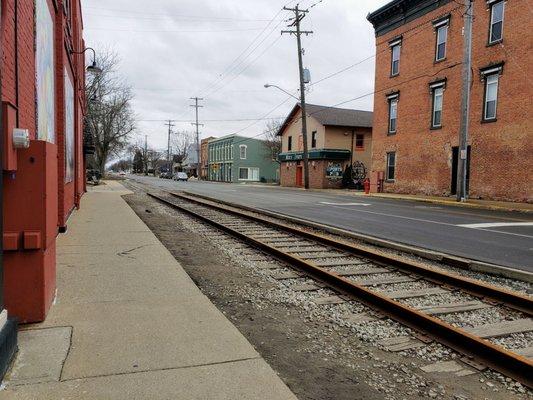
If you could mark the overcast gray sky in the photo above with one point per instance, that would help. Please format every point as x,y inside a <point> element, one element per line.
<point>225,51</point>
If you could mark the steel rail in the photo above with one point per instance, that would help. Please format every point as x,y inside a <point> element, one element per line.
<point>491,355</point>
<point>474,287</point>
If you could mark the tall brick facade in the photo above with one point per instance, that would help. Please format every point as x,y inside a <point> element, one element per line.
<point>426,156</point>
<point>42,91</point>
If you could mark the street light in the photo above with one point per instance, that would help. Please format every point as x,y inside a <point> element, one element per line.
<point>93,68</point>
<point>301,100</point>
<point>267,85</point>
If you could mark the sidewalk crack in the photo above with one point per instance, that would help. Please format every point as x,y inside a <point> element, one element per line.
<point>163,369</point>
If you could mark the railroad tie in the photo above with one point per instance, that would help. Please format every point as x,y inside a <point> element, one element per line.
<point>501,328</point>
<point>407,294</point>
<point>454,307</point>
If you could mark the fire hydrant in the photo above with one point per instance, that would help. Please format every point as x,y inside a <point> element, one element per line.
<point>366,184</point>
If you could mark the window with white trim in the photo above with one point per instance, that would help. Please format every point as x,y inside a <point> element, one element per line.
<point>391,166</point>
<point>393,112</point>
<point>249,174</point>
<point>496,21</point>
<point>491,96</point>
<point>289,143</point>
<point>395,57</point>
<point>442,36</point>
<point>242,151</point>
<point>437,96</point>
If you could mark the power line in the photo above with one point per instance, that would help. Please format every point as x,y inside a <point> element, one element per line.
<point>164,17</point>
<point>168,31</point>
<point>211,120</point>
<point>202,17</point>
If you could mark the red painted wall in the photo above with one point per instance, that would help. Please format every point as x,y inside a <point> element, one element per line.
<point>37,201</point>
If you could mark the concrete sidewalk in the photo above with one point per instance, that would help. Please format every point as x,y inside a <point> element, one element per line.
<point>129,323</point>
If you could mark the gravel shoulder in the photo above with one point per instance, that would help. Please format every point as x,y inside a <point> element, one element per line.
<point>314,351</point>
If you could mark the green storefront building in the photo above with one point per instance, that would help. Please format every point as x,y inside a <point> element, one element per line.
<point>241,159</point>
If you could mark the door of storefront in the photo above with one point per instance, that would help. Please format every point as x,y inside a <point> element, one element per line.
<point>299,176</point>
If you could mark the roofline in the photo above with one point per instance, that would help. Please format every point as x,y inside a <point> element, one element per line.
<point>297,105</point>
<point>399,12</point>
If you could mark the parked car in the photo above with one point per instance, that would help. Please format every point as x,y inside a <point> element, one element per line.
<point>180,176</point>
<point>165,175</point>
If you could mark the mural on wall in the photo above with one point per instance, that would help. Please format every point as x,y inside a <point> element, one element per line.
<point>334,170</point>
<point>69,129</point>
<point>44,59</point>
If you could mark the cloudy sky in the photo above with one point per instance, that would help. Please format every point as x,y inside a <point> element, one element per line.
<point>225,51</point>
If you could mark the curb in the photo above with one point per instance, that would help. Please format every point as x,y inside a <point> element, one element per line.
<point>448,259</point>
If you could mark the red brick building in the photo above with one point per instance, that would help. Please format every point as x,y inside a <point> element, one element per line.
<point>419,47</point>
<point>336,137</point>
<point>42,93</point>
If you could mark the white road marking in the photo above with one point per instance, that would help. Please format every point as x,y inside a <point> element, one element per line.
<point>495,225</point>
<point>430,221</point>
<point>345,204</point>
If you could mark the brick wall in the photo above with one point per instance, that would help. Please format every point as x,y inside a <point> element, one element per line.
<point>501,161</point>
<point>317,174</point>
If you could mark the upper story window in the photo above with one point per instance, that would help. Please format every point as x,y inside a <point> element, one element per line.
<point>242,151</point>
<point>393,112</point>
<point>437,95</point>
<point>496,21</point>
<point>359,141</point>
<point>289,143</point>
<point>490,103</point>
<point>313,139</point>
<point>441,30</point>
<point>395,46</point>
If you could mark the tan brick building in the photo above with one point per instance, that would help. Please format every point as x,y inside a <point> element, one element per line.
<point>336,138</point>
<point>204,157</point>
<point>419,46</point>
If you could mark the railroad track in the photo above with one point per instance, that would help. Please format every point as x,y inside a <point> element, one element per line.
<point>386,283</point>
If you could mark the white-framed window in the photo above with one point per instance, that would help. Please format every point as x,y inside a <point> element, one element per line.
<point>249,174</point>
<point>242,151</point>
<point>437,97</point>
<point>289,143</point>
<point>442,36</point>
<point>313,139</point>
<point>393,112</point>
<point>391,166</point>
<point>395,58</point>
<point>496,21</point>
<point>231,152</point>
<point>491,97</point>
<point>436,120</point>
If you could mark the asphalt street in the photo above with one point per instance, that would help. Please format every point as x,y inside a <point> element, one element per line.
<point>504,238</point>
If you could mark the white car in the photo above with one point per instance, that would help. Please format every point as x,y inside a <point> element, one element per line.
<point>180,176</point>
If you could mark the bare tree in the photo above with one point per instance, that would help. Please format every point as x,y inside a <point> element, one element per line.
<point>272,140</point>
<point>180,144</point>
<point>110,118</point>
<point>153,157</point>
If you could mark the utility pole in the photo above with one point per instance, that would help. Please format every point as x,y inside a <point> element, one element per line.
<point>298,16</point>
<point>170,125</point>
<point>145,157</point>
<point>196,106</point>
<point>462,194</point>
